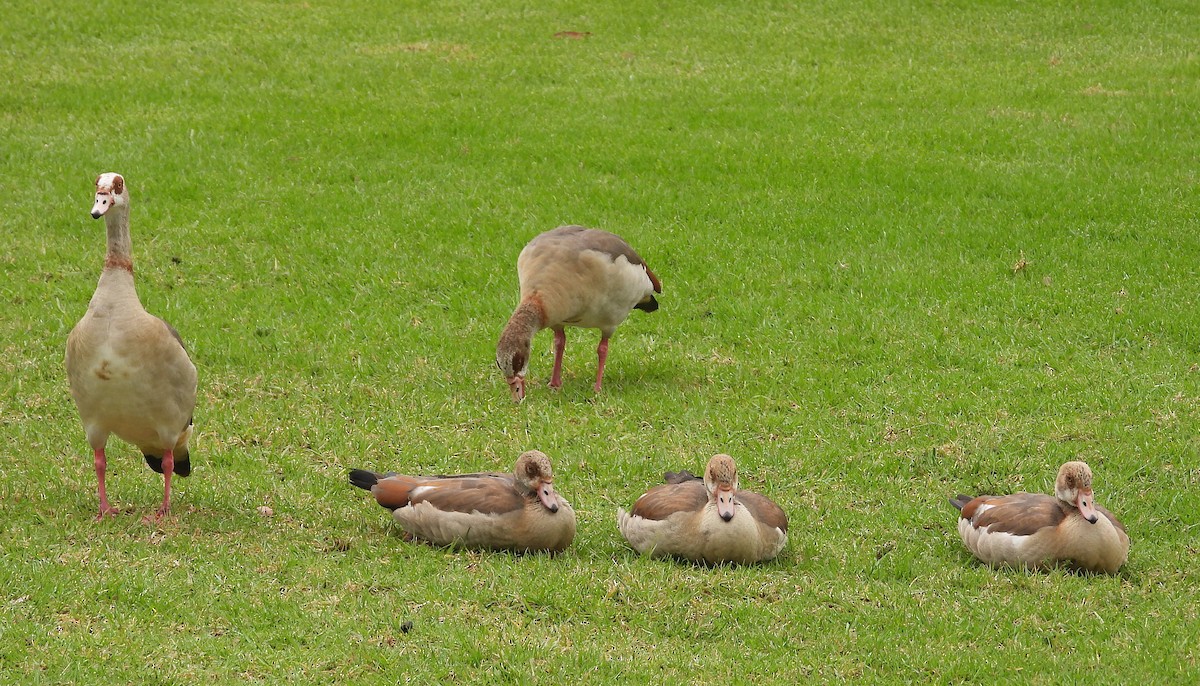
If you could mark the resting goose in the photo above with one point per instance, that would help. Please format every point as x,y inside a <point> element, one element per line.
<point>128,370</point>
<point>1038,531</point>
<point>572,276</point>
<point>706,520</point>
<point>517,511</point>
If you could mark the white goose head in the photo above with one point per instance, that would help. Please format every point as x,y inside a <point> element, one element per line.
<point>1074,487</point>
<point>111,194</point>
<point>721,482</point>
<point>533,475</point>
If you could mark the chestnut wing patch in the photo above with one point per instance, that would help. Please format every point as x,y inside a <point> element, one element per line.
<point>663,501</point>
<point>392,490</point>
<point>654,281</point>
<point>970,505</point>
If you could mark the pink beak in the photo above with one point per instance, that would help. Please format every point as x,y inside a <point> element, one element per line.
<point>103,202</point>
<point>1086,507</point>
<point>547,495</point>
<point>725,506</point>
<point>516,385</point>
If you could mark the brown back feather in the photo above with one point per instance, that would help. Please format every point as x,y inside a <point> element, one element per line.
<point>174,334</point>
<point>1020,514</point>
<point>1112,518</point>
<point>485,493</point>
<point>598,240</point>
<point>764,509</point>
<point>665,500</point>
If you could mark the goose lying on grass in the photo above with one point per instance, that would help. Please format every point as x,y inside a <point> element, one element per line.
<point>706,520</point>
<point>517,511</point>
<point>1038,531</point>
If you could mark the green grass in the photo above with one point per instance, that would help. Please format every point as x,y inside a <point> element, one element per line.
<point>329,198</point>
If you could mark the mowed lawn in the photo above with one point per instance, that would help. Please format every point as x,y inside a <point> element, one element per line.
<point>908,250</point>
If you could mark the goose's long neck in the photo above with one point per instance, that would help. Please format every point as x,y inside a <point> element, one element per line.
<point>120,247</point>
<point>526,321</point>
<point>116,288</point>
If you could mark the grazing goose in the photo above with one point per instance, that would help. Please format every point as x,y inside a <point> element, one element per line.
<point>707,519</point>
<point>1038,531</point>
<point>128,370</point>
<point>572,276</point>
<point>517,511</point>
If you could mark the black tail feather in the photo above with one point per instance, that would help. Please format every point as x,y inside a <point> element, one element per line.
<point>647,305</point>
<point>183,464</point>
<point>363,478</point>
<point>680,477</point>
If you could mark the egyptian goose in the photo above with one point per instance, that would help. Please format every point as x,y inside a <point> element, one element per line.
<point>1034,530</point>
<point>516,511</point>
<point>128,370</point>
<point>572,276</point>
<point>706,520</point>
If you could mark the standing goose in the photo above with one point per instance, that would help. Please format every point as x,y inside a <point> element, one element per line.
<point>1037,531</point>
<point>707,519</point>
<point>515,511</point>
<point>572,276</point>
<point>128,370</point>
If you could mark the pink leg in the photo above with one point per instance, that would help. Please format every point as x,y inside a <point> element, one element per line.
<point>560,344</point>
<point>101,463</point>
<point>602,354</point>
<point>168,467</point>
